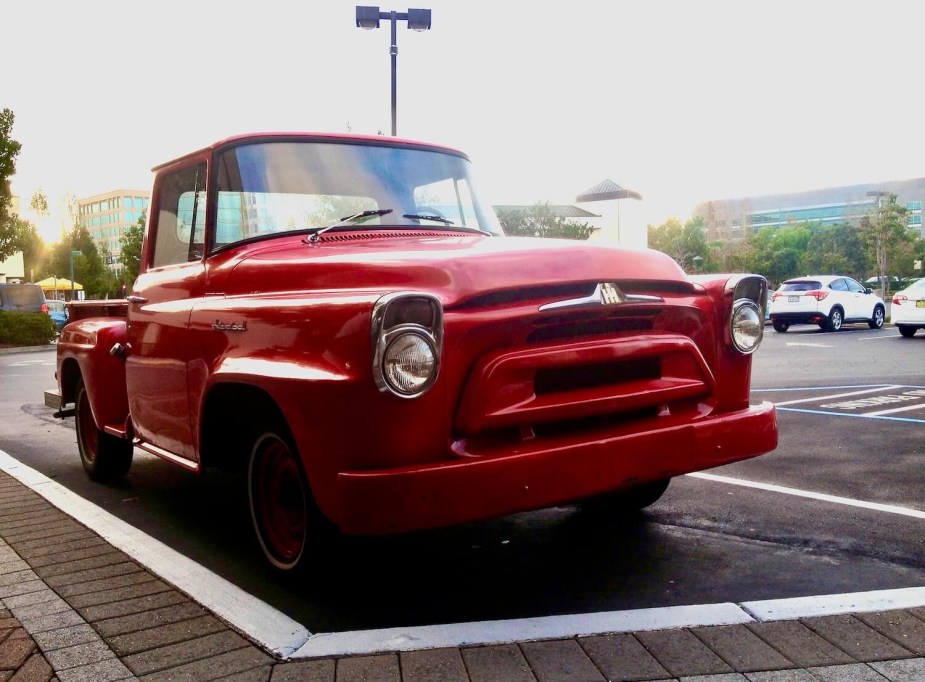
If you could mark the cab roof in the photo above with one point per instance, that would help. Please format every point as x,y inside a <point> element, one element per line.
<point>338,138</point>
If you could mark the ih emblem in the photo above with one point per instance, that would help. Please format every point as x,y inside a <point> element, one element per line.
<point>610,293</point>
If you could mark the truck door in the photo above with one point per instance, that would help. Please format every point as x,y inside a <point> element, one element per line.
<point>160,303</point>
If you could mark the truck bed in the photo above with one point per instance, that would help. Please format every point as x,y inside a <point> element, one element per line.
<point>80,310</point>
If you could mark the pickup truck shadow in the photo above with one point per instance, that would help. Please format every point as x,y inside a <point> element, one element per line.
<point>530,564</point>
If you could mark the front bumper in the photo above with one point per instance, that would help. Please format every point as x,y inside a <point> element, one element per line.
<point>813,317</point>
<point>546,474</point>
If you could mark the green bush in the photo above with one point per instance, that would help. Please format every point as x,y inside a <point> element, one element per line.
<point>26,329</point>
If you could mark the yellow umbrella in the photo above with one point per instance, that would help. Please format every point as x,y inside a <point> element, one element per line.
<point>57,284</point>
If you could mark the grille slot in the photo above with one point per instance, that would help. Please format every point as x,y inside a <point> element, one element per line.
<point>558,379</point>
<point>541,294</point>
<point>595,423</point>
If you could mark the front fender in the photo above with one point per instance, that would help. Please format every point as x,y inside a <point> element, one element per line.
<point>83,353</point>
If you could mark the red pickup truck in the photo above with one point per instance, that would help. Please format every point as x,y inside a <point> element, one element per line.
<point>342,319</point>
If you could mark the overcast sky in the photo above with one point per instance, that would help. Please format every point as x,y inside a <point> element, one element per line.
<point>681,101</point>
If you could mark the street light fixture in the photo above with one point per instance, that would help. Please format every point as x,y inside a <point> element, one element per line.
<point>70,259</point>
<point>418,20</point>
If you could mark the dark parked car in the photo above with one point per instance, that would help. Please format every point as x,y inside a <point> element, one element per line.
<point>22,298</point>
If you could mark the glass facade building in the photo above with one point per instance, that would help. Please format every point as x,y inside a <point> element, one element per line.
<point>107,216</point>
<point>730,219</point>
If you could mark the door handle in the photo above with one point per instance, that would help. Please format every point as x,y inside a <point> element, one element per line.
<point>133,298</point>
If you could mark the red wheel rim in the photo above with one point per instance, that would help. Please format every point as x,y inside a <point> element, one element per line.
<point>278,501</point>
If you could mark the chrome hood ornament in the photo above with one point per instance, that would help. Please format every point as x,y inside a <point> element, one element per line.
<point>605,293</point>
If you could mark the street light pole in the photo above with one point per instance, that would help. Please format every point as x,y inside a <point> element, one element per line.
<point>393,52</point>
<point>418,20</point>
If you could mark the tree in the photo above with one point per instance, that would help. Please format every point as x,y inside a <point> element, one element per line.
<point>89,270</point>
<point>32,246</point>
<point>687,244</point>
<point>130,249</point>
<point>836,250</point>
<point>883,233</point>
<point>540,220</point>
<point>39,203</point>
<point>10,228</point>
<point>776,252</point>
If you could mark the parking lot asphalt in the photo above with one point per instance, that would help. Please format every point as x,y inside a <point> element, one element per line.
<point>75,607</point>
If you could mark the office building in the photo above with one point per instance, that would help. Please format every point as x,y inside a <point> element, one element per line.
<point>107,216</point>
<point>732,219</point>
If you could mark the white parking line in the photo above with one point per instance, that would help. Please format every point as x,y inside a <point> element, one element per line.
<point>847,501</point>
<point>907,408</point>
<point>837,395</point>
<point>270,628</point>
<point>285,638</point>
<point>794,389</point>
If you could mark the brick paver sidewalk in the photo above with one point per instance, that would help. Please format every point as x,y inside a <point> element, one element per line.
<point>73,607</point>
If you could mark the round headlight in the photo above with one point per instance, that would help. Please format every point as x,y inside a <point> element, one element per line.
<point>747,326</point>
<point>409,364</point>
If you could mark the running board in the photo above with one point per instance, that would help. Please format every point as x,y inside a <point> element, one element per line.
<point>187,464</point>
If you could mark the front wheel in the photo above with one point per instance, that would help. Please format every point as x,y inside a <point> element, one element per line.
<point>281,505</point>
<point>632,499</point>
<point>836,320</point>
<point>876,322</point>
<point>780,326</point>
<point>105,458</point>
<point>906,331</point>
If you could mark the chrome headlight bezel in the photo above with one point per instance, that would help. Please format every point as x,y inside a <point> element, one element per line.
<point>746,326</point>
<point>414,316</point>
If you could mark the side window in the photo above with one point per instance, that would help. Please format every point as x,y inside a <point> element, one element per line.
<point>855,287</point>
<point>181,217</point>
<point>447,198</point>
<point>838,285</point>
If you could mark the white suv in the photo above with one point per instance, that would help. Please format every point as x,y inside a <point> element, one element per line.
<point>826,300</point>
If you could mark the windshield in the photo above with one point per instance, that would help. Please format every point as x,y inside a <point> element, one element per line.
<point>272,187</point>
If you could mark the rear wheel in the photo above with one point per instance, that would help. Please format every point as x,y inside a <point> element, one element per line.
<point>780,326</point>
<point>876,322</point>
<point>282,508</point>
<point>906,331</point>
<point>105,458</point>
<point>836,320</point>
<point>627,500</point>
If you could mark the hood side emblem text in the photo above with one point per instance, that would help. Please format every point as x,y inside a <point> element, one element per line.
<point>220,326</point>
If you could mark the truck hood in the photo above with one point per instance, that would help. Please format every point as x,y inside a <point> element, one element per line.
<point>454,268</point>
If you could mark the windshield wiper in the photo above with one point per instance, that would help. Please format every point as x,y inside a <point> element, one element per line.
<point>349,220</point>
<point>428,216</point>
<point>445,221</point>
